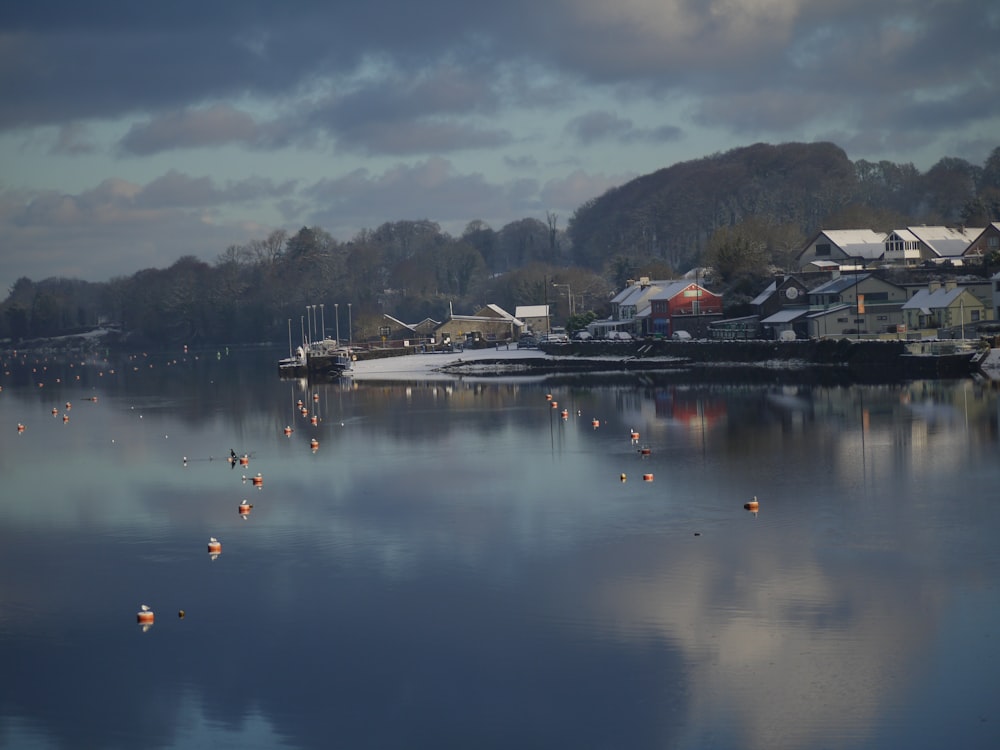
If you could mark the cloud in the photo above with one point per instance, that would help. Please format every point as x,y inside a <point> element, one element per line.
<point>430,189</point>
<point>119,227</point>
<point>598,125</point>
<point>217,125</point>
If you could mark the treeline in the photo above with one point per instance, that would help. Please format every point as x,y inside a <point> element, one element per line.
<point>743,213</point>
<point>409,269</point>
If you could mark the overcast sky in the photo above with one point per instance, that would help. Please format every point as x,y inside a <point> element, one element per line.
<point>134,133</point>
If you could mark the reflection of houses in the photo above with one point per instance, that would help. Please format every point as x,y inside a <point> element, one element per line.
<point>831,248</point>
<point>690,410</point>
<point>534,317</point>
<point>491,323</point>
<point>943,306</point>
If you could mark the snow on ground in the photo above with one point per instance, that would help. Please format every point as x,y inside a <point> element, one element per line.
<point>425,366</point>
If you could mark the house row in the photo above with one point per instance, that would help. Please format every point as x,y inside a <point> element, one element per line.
<point>838,304</point>
<point>912,246</point>
<point>865,304</point>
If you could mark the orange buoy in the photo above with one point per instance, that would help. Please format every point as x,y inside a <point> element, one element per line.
<point>548,396</point>
<point>144,615</point>
<point>753,506</point>
<point>69,405</point>
<point>314,443</point>
<point>20,427</point>
<point>647,477</point>
<point>645,450</point>
<point>65,418</point>
<point>244,460</point>
<point>299,403</point>
<point>635,435</point>
<point>258,480</point>
<point>596,423</point>
<point>623,477</point>
<point>244,508</point>
<point>315,397</point>
<point>55,411</point>
<point>565,413</point>
<point>214,546</point>
<point>555,404</point>
<point>314,420</point>
<point>288,430</point>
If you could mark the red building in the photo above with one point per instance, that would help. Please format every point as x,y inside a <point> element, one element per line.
<point>683,306</point>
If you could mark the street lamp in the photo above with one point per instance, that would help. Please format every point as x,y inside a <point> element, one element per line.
<point>336,309</point>
<point>350,327</point>
<point>322,315</point>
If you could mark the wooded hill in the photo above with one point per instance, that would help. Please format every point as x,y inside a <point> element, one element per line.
<point>743,212</point>
<point>673,213</point>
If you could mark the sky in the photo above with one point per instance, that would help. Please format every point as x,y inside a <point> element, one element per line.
<point>132,134</point>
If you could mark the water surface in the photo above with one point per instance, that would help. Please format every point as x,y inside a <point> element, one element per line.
<point>456,565</point>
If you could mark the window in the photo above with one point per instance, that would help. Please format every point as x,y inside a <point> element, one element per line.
<point>993,242</point>
<point>823,249</point>
<point>841,320</point>
<point>975,316</point>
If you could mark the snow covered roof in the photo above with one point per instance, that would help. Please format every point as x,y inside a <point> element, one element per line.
<point>945,241</point>
<point>761,298</point>
<point>836,286</point>
<point>501,312</point>
<point>531,311</point>
<point>786,315</point>
<point>670,289</point>
<point>926,300</point>
<point>863,243</point>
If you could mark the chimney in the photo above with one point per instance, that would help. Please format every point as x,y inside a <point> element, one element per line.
<point>949,285</point>
<point>835,274</point>
<point>933,286</point>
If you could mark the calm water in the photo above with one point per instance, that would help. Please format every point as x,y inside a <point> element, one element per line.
<point>456,566</point>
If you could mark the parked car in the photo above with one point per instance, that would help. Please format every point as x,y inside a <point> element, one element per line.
<point>681,336</point>
<point>556,338</point>
<point>619,336</point>
<point>527,342</point>
<point>582,336</point>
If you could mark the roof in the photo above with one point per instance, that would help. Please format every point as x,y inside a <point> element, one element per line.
<point>501,312</point>
<point>944,241</point>
<point>836,286</point>
<point>926,300</point>
<point>398,322</point>
<point>785,315</point>
<point>670,289</point>
<point>531,311</point>
<point>761,298</point>
<point>860,243</point>
<point>637,290</point>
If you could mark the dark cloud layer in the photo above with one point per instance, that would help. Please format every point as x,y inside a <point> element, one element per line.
<point>440,91</point>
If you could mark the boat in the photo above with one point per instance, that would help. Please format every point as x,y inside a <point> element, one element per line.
<point>934,358</point>
<point>326,358</point>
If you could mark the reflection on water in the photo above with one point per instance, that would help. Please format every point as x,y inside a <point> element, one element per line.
<point>456,564</point>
